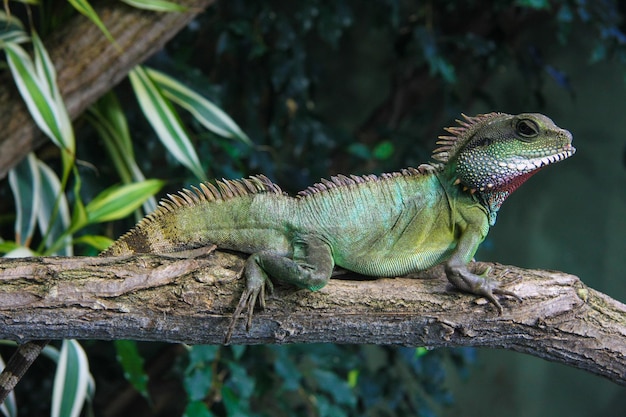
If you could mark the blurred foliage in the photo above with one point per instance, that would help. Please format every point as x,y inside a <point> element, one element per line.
<point>319,380</point>
<point>318,87</point>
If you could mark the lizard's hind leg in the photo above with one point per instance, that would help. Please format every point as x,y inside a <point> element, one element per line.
<point>311,267</point>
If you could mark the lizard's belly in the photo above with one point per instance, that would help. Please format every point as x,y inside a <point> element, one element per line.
<point>394,265</point>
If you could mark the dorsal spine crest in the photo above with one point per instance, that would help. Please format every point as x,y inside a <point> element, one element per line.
<point>449,145</point>
<point>225,190</point>
<point>338,181</point>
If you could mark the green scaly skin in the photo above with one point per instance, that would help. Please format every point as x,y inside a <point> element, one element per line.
<point>385,225</point>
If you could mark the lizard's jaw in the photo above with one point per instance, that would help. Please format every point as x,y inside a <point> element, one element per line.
<point>525,164</point>
<point>493,189</point>
<point>506,176</point>
<point>492,196</point>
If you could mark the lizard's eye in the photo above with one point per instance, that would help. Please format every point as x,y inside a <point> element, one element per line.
<point>527,128</point>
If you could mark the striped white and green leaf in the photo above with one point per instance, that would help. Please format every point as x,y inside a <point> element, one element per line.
<point>39,200</point>
<point>25,183</point>
<point>83,7</point>
<point>165,121</point>
<point>156,5</point>
<point>113,203</point>
<point>97,242</point>
<point>119,201</point>
<point>53,214</point>
<point>11,30</point>
<point>208,114</point>
<point>33,2</point>
<point>108,118</point>
<point>47,74</point>
<point>71,381</point>
<point>36,82</point>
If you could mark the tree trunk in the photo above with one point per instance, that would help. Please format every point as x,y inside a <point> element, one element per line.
<point>88,65</point>
<point>157,298</point>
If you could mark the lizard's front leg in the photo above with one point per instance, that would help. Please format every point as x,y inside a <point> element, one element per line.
<point>461,277</point>
<point>311,267</point>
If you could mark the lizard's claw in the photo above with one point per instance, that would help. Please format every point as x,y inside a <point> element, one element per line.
<point>479,284</point>
<point>487,287</point>
<point>255,290</point>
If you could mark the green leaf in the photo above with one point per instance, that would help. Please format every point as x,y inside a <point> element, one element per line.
<point>109,111</point>
<point>339,389</point>
<point>287,370</point>
<point>326,409</point>
<point>197,409</point>
<point>208,114</point>
<point>11,30</point>
<point>33,2</point>
<point>199,373</point>
<point>8,247</point>
<point>198,383</point>
<point>25,183</point>
<point>79,215</point>
<point>165,121</point>
<point>133,365</point>
<point>70,381</point>
<point>47,73</point>
<point>98,242</point>
<point>53,215</point>
<point>108,118</point>
<point>233,404</point>
<point>119,201</point>
<point>85,8</point>
<point>360,150</point>
<point>384,150</point>
<point>420,351</point>
<point>37,86</point>
<point>19,252</point>
<point>51,353</point>
<point>241,381</point>
<point>156,5</point>
<point>201,355</point>
<point>40,104</point>
<point>238,351</point>
<point>353,378</point>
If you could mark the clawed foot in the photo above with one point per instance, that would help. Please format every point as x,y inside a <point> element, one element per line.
<point>487,287</point>
<point>255,290</point>
<point>480,284</point>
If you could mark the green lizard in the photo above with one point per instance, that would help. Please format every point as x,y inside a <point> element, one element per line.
<point>386,225</point>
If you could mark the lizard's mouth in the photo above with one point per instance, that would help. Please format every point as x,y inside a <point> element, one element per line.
<point>506,176</point>
<point>524,164</point>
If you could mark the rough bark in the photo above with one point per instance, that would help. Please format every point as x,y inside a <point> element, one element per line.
<point>88,65</point>
<point>156,298</point>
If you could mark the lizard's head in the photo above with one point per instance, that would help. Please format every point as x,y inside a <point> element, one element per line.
<point>494,153</point>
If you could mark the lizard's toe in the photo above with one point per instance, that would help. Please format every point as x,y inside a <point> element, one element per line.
<point>247,302</point>
<point>489,291</point>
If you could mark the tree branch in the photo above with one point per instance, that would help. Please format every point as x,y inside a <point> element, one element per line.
<point>157,298</point>
<point>88,65</point>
